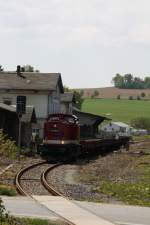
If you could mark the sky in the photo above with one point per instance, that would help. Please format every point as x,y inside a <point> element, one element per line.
<point>87,41</point>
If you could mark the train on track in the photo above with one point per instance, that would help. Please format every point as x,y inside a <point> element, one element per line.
<point>62,138</point>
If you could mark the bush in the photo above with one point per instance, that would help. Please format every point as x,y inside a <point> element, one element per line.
<point>130,98</point>
<point>4,190</point>
<point>118,97</point>
<point>141,123</point>
<point>138,97</point>
<point>143,94</point>
<point>7,146</point>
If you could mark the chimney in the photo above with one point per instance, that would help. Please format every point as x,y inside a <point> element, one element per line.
<point>19,70</point>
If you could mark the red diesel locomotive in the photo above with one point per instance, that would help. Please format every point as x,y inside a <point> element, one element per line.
<point>61,135</point>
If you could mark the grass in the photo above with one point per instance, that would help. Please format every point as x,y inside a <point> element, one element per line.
<point>8,191</point>
<point>141,138</point>
<point>120,110</point>
<point>29,221</point>
<point>135,194</point>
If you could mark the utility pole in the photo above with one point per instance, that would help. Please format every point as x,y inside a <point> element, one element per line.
<point>20,109</point>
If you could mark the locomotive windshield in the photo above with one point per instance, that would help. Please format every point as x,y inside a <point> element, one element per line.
<point>63,117</point>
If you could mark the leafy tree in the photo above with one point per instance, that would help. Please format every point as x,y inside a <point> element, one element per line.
<point>141,122</point>
<point>147,82</point>
<point>118,80</point>
<point>78,99</point>
<point>95,94</point>
<point>128,81</point>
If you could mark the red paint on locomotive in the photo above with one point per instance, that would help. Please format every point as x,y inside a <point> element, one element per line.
<point>61,129</point>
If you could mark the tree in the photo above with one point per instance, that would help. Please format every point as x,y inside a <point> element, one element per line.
<point>118,81</point>
<point>95,94</point>
<point>78,99</point>
<point>29,68</point>
<point>147,82</point>
<point>128,81</point>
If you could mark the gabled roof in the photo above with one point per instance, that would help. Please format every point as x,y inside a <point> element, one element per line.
<point>31,81</point>
<point>66,97</point>
<point>120,124</point>
<point>88,118</point>
<point>7,107</point>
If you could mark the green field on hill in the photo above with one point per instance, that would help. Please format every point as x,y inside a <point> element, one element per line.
<point>120,110</point>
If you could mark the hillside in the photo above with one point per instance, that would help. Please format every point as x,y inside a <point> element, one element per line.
<point>112,92</point>
<point>117,110</point>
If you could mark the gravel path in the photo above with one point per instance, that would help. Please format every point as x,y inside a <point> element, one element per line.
<point>63,178</point>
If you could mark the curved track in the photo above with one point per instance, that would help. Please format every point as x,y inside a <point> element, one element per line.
<point>43,180</point>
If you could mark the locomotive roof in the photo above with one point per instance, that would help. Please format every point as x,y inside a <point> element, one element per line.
<point>30,81</point>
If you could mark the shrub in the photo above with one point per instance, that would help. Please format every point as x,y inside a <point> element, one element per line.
<point>143,94</point>
<point>130,97</point>
<point>138,97</point>
<point>141,122</point>
<point>7,146</point>
<point>118,97</point>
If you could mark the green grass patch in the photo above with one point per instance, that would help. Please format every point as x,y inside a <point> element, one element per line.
<point>27,221</point>
<point>141,138</point>
<point>134,194</point>
<point>8,191</point>
<point>120,110</point>
<point>30,221</point>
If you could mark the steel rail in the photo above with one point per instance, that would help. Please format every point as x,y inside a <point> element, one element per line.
<point>17,182</point>
<point>43,181</point>
<point>50,188</point>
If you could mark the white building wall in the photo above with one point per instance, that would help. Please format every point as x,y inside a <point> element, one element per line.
<point>39,101</point>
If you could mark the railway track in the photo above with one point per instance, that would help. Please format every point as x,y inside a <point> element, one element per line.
<point>42,180</point>
<point>36,173</point>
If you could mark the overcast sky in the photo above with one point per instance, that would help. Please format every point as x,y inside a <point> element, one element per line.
<point>87,41</point>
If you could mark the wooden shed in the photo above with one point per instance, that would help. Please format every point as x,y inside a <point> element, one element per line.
<point>9,121</point>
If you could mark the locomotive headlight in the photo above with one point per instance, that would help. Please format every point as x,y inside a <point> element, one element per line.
<point>62,142</point>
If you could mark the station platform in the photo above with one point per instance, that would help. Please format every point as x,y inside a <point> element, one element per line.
<point>71,211</point>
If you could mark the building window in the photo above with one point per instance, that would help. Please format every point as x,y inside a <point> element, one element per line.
<point>7,101</point>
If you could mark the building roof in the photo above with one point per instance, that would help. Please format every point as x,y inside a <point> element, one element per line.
<point>66,97</point>
<point>89,118</point>
<point>7,107</point>
<point>31,81</point>
<point>120,124</point>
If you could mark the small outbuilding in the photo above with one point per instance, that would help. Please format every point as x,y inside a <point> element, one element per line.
<point>9,123</point>
<point>119,128</point>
